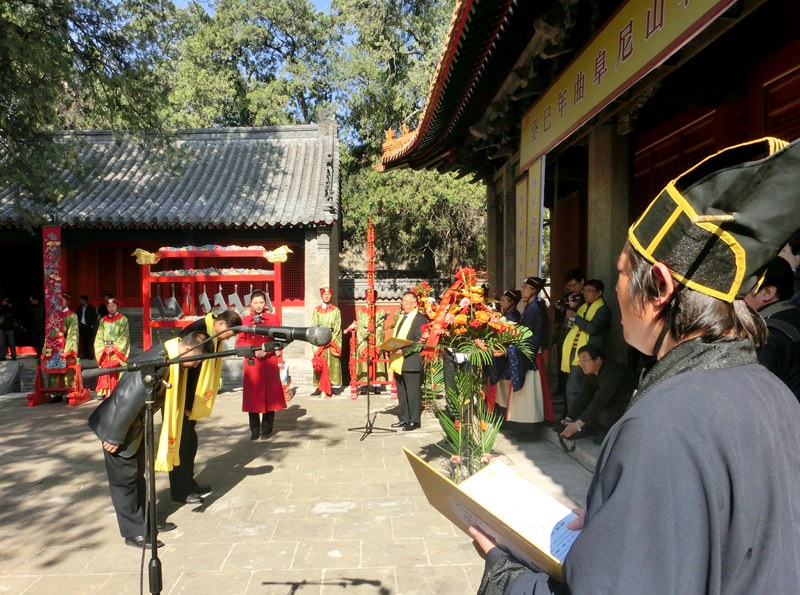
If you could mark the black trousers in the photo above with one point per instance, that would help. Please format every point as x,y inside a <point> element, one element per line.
<point>128,492</point>
<point>262,422</point>
<point>86,341</point>
<point>181,478</point>
<point>409,396</point>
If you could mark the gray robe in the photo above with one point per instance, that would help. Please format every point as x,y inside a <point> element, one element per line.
<point>696,488</point>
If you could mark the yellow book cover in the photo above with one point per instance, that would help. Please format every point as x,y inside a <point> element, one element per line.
<point>522,519</point>
<point>393,343</point>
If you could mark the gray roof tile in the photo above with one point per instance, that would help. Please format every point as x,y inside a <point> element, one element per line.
<point>281,176</point>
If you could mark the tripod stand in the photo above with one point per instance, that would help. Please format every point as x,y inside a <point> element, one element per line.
<point>369,425</point>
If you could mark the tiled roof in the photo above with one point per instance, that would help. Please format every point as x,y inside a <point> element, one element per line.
<point>281,176</point>
<point>470,48</point>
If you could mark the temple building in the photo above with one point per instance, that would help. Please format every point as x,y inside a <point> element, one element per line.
<point>247,187</point>
<point>576,114</point>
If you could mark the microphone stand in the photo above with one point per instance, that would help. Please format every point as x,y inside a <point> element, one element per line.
<point>369,426</point>
<point>151,380</point>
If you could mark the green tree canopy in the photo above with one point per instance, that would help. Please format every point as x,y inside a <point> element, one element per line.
<point>424,220</point>
<point>251,63</point>
<point>73,63</point>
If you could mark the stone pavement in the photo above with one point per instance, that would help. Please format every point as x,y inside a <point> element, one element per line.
<point>314,509</point>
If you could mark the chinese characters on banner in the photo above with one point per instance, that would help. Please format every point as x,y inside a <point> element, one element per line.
<point>530,216</point>
<point>521,232</point>
<point>641,35</point>
<point>53,350</point>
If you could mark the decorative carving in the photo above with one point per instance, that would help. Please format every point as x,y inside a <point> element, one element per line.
<point>278,254</point>
<point>145,257</point>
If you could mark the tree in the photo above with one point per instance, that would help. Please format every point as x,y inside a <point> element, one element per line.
<point>251,63</point>
<point>388,55</point>
<point>425,220</point>
<point>69,63</point>
<point>431,222</point>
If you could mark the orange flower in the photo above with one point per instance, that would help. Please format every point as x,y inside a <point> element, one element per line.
<point>460,330</point>
<point>480,344</point>
<point>460,320</point>
<point>458,426</point>
<point>483,316</point>
<point>484,425</point>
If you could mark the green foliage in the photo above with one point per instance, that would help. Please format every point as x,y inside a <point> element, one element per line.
<point>423,220</point>
<point>386,62</point>
<point>470,430</point>
<point>252,63</point>
<point>72,63</point>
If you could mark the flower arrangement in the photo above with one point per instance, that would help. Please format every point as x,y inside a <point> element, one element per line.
<point>472,333</point>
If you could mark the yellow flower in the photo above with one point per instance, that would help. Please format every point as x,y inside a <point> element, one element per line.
<point>460,330</point>
<point>460,320</point>
<point>483,316</point>
<point>484,425</point>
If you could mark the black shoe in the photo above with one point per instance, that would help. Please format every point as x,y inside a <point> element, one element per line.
<point>202,491</point>
<point>253,435</point>
<point>165,526</point>
<point>410,427</point>
<point>316,393</point>
<point>188,499</point>
<point>399,424</point>
<point>141,541</point>
<point>266,436</point>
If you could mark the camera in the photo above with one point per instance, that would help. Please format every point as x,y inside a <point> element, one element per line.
<point>563,304</point>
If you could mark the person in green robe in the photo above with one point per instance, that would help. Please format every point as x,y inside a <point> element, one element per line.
<point>111,346</point>
<point>327,367</point>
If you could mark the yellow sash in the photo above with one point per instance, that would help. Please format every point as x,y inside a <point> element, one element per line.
<point>208,382</point>
<point>586,312</point>
<point>395,360</point>
<point>172,414</point>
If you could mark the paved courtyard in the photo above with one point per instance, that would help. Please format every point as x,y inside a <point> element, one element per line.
<point>314,509</point>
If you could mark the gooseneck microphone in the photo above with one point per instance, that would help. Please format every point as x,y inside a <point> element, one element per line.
<point>316,335</point>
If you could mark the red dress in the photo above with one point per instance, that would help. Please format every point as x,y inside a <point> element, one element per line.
<point>262,391</point>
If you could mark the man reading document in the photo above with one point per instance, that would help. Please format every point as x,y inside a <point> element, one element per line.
<point>696,487</point>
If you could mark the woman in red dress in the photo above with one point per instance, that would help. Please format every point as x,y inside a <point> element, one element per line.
<point>262,391</point>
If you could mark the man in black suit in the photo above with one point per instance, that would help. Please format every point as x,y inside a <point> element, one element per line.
<point>87,327</point>
<point>119,423</point>
<point>407,367</point>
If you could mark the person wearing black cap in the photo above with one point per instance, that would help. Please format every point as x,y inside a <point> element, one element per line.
<point>696,486</point>
<point>524,400</point>
<point>499,371</point>
<point>781,353</point>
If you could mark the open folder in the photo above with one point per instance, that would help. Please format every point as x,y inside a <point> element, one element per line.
<point>518,516</point>
<point>393,343</point>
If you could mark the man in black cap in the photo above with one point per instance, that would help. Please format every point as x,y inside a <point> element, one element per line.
<point>696,486</point>
<point>781,353</point>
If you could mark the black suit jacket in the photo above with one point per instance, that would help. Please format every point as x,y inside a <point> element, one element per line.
<point>91,316</point>
<point>120,418</point>
<point>412,362</point>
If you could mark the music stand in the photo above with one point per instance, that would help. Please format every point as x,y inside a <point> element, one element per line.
<point>369,426</point>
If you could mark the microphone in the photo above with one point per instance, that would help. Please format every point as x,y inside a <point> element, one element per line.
<point>316,335</point>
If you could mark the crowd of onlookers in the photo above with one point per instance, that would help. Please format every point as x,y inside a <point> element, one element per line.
<point>592,391</point>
